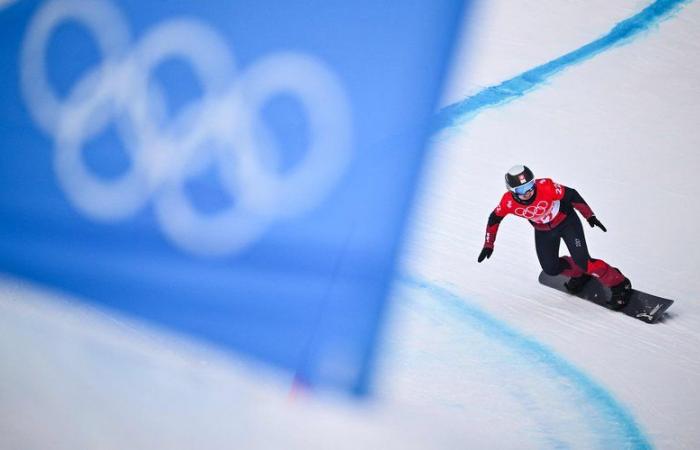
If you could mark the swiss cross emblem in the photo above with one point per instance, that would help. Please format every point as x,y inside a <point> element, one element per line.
<point>522,178</point>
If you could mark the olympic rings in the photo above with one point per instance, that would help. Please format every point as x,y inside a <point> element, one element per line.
<point>121,90</point>
<point>542,212</point>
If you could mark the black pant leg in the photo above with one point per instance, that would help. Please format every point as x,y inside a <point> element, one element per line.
<point>575,240</point>
<point>547,246</point>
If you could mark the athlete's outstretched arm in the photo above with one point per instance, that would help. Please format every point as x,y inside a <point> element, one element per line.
<point>572,195</point>
<point>490,238</point>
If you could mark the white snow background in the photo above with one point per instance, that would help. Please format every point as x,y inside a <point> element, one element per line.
<point>475,355</point>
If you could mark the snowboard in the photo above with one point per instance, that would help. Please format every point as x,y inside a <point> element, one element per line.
<point>645,307</point>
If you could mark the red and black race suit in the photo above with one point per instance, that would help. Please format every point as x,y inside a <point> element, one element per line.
<point>551,212</point>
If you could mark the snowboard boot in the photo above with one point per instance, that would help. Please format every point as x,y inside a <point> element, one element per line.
<point>575,284</point>
<point>621,293</point>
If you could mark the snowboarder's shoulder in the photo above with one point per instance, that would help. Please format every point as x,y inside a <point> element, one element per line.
<point>507,204</point>
<point>547,184</point>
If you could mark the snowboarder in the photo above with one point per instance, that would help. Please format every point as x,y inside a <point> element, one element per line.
<point>550,209</point>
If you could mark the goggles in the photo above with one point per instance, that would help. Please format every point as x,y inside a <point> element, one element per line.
<point>525,188</point>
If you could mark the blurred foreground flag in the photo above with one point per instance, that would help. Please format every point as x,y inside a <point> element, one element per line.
<point>239,172</point>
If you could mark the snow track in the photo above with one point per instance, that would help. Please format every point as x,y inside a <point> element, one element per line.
<point>615,125</point>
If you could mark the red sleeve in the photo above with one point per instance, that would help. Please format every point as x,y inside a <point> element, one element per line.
<point>497,215</point>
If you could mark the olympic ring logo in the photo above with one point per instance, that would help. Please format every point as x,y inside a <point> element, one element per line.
<point>533,211</point>
<point>222,129</point>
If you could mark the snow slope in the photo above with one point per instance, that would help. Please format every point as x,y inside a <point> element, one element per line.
<point>476,355</point>
<point>621,128</point>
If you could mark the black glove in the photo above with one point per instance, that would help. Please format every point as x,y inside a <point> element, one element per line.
<point>485,253</point>
<point>593,222</point>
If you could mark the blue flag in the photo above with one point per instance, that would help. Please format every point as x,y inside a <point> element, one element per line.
<point>239,172</point>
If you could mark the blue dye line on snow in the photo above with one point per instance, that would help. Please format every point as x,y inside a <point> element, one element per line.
<point>516,87</point>
<point>620,429</point>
